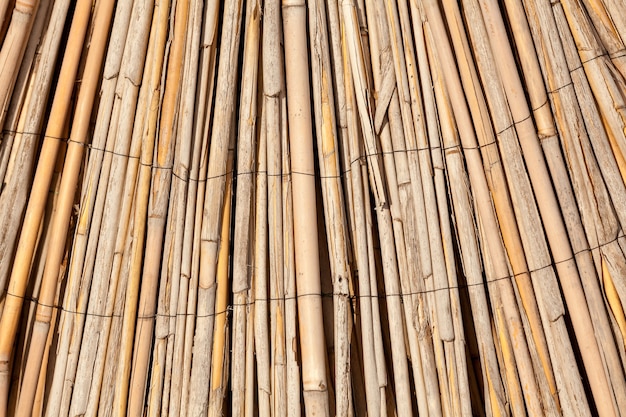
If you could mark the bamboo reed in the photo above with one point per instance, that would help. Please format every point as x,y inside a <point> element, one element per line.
<point>219,362</point>
<point>169,292</point>
<point>451,244</point>
<point>13,194</point>
<point>260,276</point>
<point>190,265</point>
<point>567,115</point>
<point>242,242</point>
<point>214,197</point>
<point>314,383</point>
<point>21,90</point>
<point>273,91</point>
<point>555,229</point>
<point>142,155</point>
<point>161,179</point>
<point>101,169</point>
<point>61,218</point>
<point>14,47</point>
<point>28,236</point>
<point>478,179</point>
<point>293,366</point>
<point>376,377</point>
<point>328,156</point>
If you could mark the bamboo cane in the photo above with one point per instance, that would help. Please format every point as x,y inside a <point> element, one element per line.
<point>392,279</point>
<point>356,394</point>
<point>249,363</point>
<point>22,91</point>
<point>355,50</point>
<point>469,247</point>
<point>354,18</point>
<point>160,362</point>
<point>433,205</point>
<point>608,162</point>
<point>18,150</point>
<point>477,179</point>
<point>130,248</point>
<point>94,370</point>
<point>568,118</point>
<point>14,197</point>
<point>328,149</point>
<point>174,317</point>
<point>242,271</point>
<point>548,207</point>
<point>38,405</point>
<point>25,329</point>
<point>597,134</point>
<point>169,291</point>
<point>537,254</point>
<point>243,230</point>
<point>411,212</point>
<point>607,32</point>
<point>157,210</point>
<point>613,300</point>
<point>294,405</point>
<point>606,87</point>
<point>14,47</point>
<point>187,348</point>
<point>28,236</point>
<point>306,251</point>
<point>260,276</point>
<point>63,211</point>
<point>273,91</point>
<point>519,263</point>
<point>190,265</point>
<point>59,10</point>
<point>4,5</point>
<point>104,174</point>
<point>134,264</point>
<point>219,361</point>
<point>443,265</point>
<point>21,348</point>
<point>210,235</point>
<point>616,16</point>
<point>439,105</point>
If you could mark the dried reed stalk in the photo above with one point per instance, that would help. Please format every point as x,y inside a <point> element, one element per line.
<point>39,192</point>
<point>549,209</point>
<point>14,47</point>
<point>274,95</point>
<point>242,341</point>
<point>171,279</point>
<point>14,195</point>
<point>314,380</point>
<point>64,206</point>
<point>332,197</point>
<point>219,362</point>
<point>182,355</point>
<point>129,249</point>
<point>157,209</point>
<point>485,210</point>
<point>579,153</point>
<point>214,197</point>
<point>471,166</point>
<point>22,92</point>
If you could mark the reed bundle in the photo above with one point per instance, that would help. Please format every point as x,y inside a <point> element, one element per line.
<point>320,207</point>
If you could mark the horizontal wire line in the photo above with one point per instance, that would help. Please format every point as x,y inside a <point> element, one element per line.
<point>257,172</point>
<point>231,306</point>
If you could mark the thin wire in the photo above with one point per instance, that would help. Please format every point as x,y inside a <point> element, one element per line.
<point>352,297</point>
<point>236,174</point>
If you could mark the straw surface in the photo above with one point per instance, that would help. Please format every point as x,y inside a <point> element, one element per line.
<point>313,207</point>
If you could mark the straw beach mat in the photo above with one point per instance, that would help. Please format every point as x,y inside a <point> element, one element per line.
<point>312,207</point>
